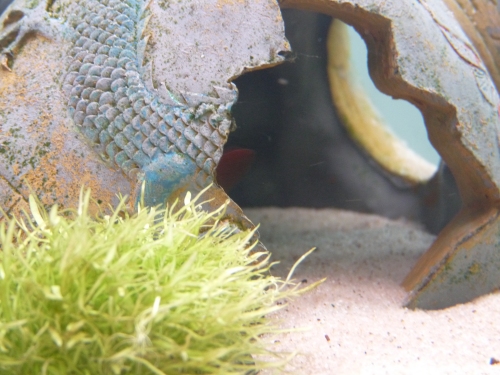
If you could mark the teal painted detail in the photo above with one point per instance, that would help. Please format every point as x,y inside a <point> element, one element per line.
<point>164,140</point>
<point>165,174</point>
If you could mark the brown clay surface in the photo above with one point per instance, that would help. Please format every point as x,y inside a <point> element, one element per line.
<point>40,149</point>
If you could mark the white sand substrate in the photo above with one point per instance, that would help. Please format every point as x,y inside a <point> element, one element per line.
<point>355,321</point>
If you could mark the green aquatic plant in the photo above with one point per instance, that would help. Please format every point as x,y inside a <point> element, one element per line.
<point>156,292</point>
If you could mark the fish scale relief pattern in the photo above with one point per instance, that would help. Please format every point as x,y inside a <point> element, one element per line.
<point>109,102</point>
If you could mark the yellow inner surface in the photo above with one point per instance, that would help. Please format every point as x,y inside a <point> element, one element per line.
<point>361,119</point>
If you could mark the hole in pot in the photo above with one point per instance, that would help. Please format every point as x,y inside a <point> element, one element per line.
<point>403,119</point>
<point>362,120</point>
<point>303,154</point>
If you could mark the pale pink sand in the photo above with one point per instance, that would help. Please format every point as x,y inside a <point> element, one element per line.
<point>359,307</point>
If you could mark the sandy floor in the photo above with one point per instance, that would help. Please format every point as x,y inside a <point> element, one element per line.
<point>356,322</point>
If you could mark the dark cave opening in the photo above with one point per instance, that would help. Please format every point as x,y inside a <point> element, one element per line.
<point>304,157</point>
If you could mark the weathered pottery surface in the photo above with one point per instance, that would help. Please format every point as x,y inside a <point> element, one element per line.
<point>42,149</point>
<point>186,54</point>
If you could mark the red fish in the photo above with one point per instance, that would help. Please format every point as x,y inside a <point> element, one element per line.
<point>233,165</point>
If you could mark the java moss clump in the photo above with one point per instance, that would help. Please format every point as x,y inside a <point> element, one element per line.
<point>157,292</point>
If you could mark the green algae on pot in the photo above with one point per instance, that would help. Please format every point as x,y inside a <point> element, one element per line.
<point>157,292</point>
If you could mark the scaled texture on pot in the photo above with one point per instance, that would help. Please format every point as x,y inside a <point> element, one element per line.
<point>113,94</point>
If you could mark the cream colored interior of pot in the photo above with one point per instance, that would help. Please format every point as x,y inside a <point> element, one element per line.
<point>361,118</point>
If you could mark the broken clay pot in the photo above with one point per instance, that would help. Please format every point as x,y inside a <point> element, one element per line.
<point>418,51</point>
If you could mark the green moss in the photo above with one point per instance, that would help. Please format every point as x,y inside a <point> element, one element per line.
<point>157,292</point>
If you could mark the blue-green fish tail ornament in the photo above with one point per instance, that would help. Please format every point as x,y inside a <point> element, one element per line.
<point>169,146</point>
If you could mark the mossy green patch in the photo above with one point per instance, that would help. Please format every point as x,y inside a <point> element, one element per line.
<point>156,292</point>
